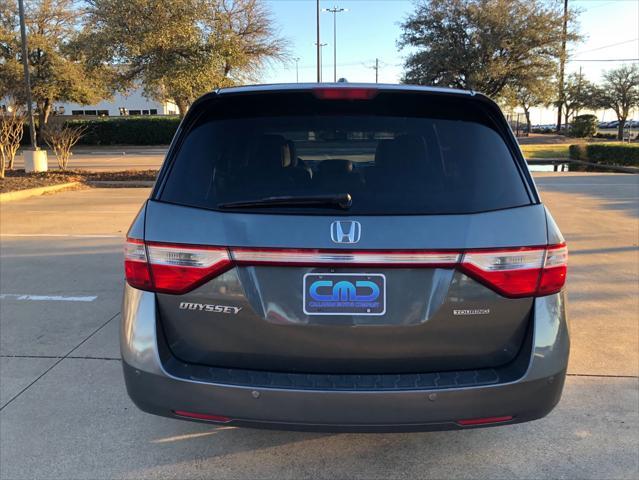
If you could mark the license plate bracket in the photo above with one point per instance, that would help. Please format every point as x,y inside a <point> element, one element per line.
<point>344,294</point>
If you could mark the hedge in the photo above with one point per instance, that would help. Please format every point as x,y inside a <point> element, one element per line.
<point>128,130</point>
<point>606,153</point>
<point>147,130</point>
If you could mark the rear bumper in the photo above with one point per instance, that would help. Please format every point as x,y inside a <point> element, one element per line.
<point>533,395</point>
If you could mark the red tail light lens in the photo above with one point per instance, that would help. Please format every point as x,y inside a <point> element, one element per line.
<point>136,268</point>
<point>178,268</point>
<point>521,272</point>
<point>341,93</point>
<point>174,268</point>
<point>553,276</point>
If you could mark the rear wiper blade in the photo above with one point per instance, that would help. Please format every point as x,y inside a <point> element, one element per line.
<point>340,200</point>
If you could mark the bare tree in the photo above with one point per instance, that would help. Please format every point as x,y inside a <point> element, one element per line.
<point>620,92</point>
<point>11,130</point>
<point>61,137</point>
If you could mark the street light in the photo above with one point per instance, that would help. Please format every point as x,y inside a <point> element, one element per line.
<point>335,10</point>
<point>27,80</point>
<point>35,160</point>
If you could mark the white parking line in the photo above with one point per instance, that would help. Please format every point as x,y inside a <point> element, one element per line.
<point>47,298</point>
<point>64,235</point>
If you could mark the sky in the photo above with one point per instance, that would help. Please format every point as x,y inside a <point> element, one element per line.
<point>370,29</point>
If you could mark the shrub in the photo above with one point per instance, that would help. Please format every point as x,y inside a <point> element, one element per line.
<point>127,130</point>
<point>584,126</point>
<point>61,137</point>
<point>606,153</point>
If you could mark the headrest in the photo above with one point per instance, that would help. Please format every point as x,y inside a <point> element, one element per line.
<point>270,152</point>
<point>336,166</point>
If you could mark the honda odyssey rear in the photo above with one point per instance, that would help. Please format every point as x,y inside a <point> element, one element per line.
<point>345,258</point>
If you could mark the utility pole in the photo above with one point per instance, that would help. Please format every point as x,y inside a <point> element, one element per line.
<point>376,68</point>
<point>562,65</point>
<point>27,79</point>
<point>578,92</point>
<point>335,10</point>
<point>297,69</point>
<point>319,48</point>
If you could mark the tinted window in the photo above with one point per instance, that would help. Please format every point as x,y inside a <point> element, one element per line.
<point>388,160</point>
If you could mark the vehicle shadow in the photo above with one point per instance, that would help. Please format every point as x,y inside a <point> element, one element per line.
<point>570,442</point>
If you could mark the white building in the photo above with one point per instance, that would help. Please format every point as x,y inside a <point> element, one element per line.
<point>131,103</point>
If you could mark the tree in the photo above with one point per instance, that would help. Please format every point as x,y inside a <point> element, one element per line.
<point>536,93</point>
<point>584,126</point>
<point>11,129</point>
<point>61,137</point>
<point>483,45</point>
<point>579,93</point>
<point>189,48</point>
<point>620,92</point>
<point>59,71</point>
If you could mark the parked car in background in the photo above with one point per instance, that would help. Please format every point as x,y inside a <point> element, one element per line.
<point>345,258</point>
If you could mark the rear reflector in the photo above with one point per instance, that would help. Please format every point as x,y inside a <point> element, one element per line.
<point>484,421</point>
<point>202,416</point>
<point>179,268</point>
<point>342,93</point>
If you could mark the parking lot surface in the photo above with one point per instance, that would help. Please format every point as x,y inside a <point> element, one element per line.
<point>64,412</point>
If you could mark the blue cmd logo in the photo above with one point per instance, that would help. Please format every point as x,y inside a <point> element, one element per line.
<point>344,291</point>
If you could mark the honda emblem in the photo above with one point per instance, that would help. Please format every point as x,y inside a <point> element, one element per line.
<point>346,231</point>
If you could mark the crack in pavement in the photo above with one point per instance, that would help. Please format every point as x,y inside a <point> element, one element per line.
<point>62,357</point>
<point>59,360</point>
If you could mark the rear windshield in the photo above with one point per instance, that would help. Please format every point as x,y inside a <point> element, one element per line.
<point>396,154</point>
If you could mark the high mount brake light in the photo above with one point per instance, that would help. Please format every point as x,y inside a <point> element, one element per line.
<point>179,268</point>
<point>342,93</point>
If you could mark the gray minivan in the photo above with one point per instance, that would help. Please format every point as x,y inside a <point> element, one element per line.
<point>345,257</point>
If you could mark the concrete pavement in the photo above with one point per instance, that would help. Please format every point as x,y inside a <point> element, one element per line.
<point>112,158</point>
<point>64,412</point>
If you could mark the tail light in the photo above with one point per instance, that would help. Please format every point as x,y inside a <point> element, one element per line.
<point>178,268</point>
<point>521,272</point>
<point>172,268</point>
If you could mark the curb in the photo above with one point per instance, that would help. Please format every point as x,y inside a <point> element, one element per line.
<point>120,183</point>
<point>33,192</point>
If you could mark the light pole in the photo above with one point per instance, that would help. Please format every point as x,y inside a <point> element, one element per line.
<point>319,47</point>
<point>335,10</point>
<point>319,71</point>
<point>297,69</point>
<point>27,79</point>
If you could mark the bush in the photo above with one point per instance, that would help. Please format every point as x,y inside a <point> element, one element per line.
<point>584,126</point>
<point>608,136</point>
<point>606,153</point>
<point>127,130</point>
